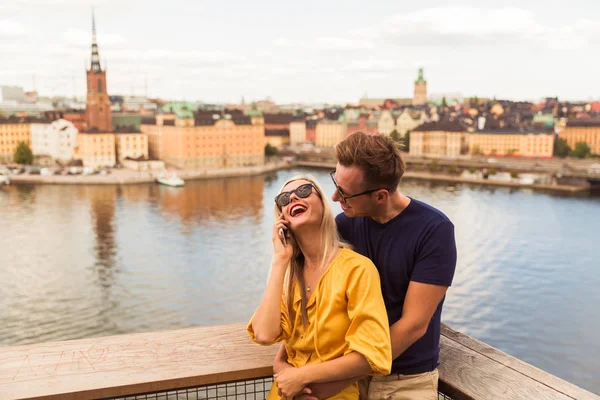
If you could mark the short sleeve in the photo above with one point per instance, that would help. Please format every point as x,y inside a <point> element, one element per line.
<point>285,332</point>
<point>436,259</point>
<point>343,226</point>
<point>368,333</point>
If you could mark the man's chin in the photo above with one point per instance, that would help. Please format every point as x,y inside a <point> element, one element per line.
<point>349,213</point>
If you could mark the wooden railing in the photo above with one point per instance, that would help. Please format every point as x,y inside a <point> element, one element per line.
<point>160,361</point>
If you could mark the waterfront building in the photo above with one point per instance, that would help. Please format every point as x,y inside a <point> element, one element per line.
<point>330,132</point>
<point>96,149</point>
<point>410,119</point>
<point>447,138</point>
<point>386,122</point>
<point>298,132</point>
<point>57,139</point>
<point>209,139</point>
<point>131,145</point>
<point>277,137</point>
<point>534,142</point>
<point>311,130</point>
<point>420,90</point>
<point>583,130</point>
<point>98,107</point>
<point>13,131</point>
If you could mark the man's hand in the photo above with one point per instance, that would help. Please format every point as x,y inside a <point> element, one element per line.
<point>290,382</point>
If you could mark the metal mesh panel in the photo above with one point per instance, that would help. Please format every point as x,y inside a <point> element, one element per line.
<point>255,389</point>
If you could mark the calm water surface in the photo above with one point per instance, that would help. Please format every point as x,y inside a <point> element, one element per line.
<point>84,261</point>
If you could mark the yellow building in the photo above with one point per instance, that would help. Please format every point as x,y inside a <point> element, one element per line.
<point>277,137</point>
<point>298,132</point>
<point>212,139</point>
<point>503,142</point>
<point>329,133</point>
<point>96,149</point>
<point>583,130</point>
<point>440,139</point>
<point>132,145</point>
<point>12,132</point>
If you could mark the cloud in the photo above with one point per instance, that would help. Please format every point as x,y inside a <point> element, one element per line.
<point>457,25</point>
<point>326,43</point>
<point>10,28</point>
<point>82,38</point>
<point>374,65</point>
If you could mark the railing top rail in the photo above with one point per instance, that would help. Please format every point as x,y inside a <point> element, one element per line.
<point>160,361</point>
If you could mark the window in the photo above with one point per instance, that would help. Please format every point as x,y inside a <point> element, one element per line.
<point>100,89</point>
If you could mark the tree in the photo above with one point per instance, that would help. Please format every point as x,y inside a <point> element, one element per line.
<point>395,136</point>
<point>434,167</point>
<point>406,142</point>
<point>270,150</point>
<point>561,148</point>
<point>582,150</point>
<point>477,151</point>
<point>444,102</point>
<point>23,154</point>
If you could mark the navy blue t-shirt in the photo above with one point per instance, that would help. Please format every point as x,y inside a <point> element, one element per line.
<point>417,245</point>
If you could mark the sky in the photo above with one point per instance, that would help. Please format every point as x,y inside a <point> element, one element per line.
<point>311,51</point>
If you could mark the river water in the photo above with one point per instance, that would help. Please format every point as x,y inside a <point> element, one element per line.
<point>84,261</point>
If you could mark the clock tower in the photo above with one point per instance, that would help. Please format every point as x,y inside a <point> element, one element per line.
<point>97,111</point>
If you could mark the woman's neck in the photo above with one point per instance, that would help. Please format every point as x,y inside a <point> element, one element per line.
<point>312,246</point>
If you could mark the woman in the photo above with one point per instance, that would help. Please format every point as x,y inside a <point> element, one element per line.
<point>322,299</point>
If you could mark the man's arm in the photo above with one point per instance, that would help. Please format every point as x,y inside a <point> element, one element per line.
<point>280,363</point>
<point>421,301</point>
<point>318,390</point>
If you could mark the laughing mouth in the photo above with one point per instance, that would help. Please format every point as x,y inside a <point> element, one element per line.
<point>297,210</point>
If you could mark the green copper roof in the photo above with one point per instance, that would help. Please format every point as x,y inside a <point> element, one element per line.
<point>547,119</point>
<point>254,111</point>
<point>178,108</point>
<point>420,79</point>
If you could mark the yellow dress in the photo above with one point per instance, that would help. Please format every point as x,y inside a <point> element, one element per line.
<point>346,313</point>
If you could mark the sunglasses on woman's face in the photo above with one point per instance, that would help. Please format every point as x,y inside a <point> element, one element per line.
<point>302,191</point>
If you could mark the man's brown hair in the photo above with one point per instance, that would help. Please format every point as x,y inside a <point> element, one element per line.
<point>377,156</point>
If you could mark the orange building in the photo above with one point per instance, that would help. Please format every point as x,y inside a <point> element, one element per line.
<point>517,143</point>
<point>13,131</point>
<point>583,130</point>
<point>96,149</point>
<point>132,145</point>
<point>444,138</point>
<point>212,139</point>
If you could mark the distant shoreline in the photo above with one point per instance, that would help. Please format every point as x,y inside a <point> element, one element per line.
<point>128,177</point>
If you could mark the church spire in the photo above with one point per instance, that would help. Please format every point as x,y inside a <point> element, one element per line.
<point>95,65</point>
<point>420,78</point>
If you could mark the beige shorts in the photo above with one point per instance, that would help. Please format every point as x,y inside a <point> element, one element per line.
<point>400,387</point>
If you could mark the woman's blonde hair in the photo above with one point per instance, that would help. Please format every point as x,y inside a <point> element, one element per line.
<point>331,244</point>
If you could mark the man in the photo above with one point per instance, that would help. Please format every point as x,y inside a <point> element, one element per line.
<point>413,246</point>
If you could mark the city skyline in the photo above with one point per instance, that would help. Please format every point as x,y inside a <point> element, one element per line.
<point>333,52</point>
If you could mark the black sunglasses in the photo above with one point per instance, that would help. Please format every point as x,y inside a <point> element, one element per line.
<point>344,196</point>
<point>302,191</point>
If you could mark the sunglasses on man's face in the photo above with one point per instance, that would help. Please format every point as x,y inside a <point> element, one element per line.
<point>302,191</point>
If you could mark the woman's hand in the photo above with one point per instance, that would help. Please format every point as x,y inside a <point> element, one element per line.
<point>290,382</point>
<point>282,252</point>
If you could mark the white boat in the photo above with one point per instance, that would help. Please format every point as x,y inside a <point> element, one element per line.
<point>4,180</point>
<point>170,180</point>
